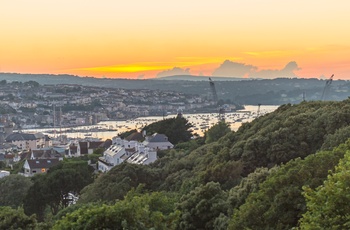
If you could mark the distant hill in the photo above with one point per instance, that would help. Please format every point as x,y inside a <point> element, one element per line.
<point>200,78</point>
<point>242,91</point>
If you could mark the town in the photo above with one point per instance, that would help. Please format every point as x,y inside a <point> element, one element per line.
<point>31,105</point>
<point>26,105</point>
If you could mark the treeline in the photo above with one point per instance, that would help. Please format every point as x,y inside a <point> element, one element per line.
<point>287,169</point>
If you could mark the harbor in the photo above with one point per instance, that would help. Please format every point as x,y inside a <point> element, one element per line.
<point>200,121</point>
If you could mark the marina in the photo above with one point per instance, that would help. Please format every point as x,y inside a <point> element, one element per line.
<point>200,121</point>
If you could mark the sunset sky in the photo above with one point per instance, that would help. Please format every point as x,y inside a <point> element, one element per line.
<point>153,38</point>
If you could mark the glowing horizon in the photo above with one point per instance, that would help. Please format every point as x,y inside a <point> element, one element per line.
<point>146,39</point>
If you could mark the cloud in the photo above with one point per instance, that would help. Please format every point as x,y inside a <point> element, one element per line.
<point>174,71</point>
<point>233,69</point>
<point>323,77</point>
<point>287,71</point>
<point>141,76</point>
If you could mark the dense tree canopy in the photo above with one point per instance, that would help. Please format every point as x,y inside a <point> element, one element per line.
<point>249,179</point>
<point>328,205</point>
<point>117,182</point>
<point>216,132</point>
<point>13,190</point>
<point>202,206</point>
<point>136,211</point>
<point>54,188</point>
<point>176,129</point>
<point>16,219</point>
<point>279,202</point>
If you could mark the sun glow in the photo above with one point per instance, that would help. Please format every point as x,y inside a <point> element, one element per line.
<point>133,38</point>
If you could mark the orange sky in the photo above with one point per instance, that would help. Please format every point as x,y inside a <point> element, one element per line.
<point>140,39</point>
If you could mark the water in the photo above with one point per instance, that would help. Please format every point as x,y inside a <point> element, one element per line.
<point>201,122</point>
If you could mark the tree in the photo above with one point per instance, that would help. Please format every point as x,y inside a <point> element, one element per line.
<point>176,129</point>
<point>52,189</point>
<point>36,200</point>
<point>291,131</point>
<point>127,133</point>
<point>16,219</point>
<point>202,206</point>
<point>118,181</point>
<point>2,165</point>
<point>279,203</point>
<point>216,131</point>
<point>327,205</point>
<point>136,211</point>
<point>13,190</point>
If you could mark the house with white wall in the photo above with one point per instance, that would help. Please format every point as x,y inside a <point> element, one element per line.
<point>158,141</point>
<point>132,151</point>
<point>4,173</point>
<point>113,156</point>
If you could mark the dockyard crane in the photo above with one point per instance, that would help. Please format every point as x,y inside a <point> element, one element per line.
<point>216,101</point>
<point>258,112</point>
<point>326,88</point>
<point>213,90</point>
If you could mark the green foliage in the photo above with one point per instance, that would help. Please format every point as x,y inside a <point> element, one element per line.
<point>333,140</point>
<point>176,129</point>
<point>127,133</point>
<point>249,179</point>
<point>148,211</point>
<point>191,145</point>
<point>327,205</point>
<point>13,190</point>
<point>98,151</point>
<point>13,219</point>
<point>52,189</point>
<point>202,206</point>
<point>216,132</point>
<point>279,203</point>
<point>2,165</point>
<point>291,131</point>
<point>248,185</point>
<point>118,181</point>
<point>62,213</point>
<point>94,157</point>
<point>18,167</point>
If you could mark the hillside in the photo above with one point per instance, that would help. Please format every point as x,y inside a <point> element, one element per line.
<point>254,178</point>
<point>291,132</point>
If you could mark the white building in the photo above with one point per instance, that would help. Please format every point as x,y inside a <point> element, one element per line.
<point>133,151</point>
<point>111,157</point>
<point>158,141</point>
<point>4,173</point>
